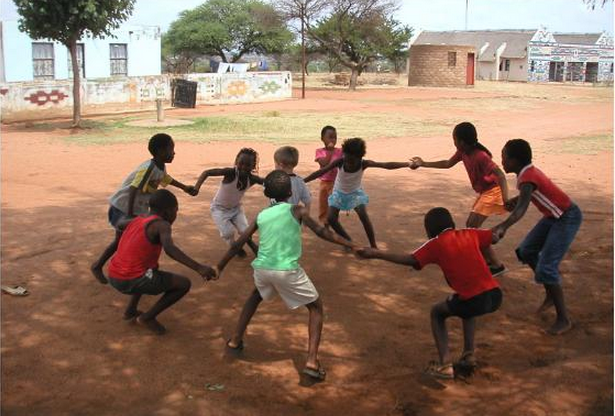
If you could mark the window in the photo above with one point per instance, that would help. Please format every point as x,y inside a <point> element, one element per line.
<point>507,65</point>
<point>80,54</point>
<point>532,66</point>
<point>611,67</point>
<point>119,58</point>
<point>452,58</point>
<point>42,60</point>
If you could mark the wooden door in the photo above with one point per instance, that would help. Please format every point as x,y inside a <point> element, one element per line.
<point>470,70</point>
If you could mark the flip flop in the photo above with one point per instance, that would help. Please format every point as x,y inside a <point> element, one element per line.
<point>442,371</point>
<point>559,332</point>
<point>318,374</point>
<point>467,359</point>
<point>15,290</point>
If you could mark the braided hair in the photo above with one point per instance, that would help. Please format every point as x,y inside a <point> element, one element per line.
<point>466,133</point>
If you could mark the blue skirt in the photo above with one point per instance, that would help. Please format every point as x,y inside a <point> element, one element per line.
<point>347,202</point>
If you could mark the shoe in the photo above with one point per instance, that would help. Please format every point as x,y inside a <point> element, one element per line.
<point>496,271</point>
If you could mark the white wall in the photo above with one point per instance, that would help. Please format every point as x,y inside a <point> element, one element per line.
<point>517,70</point>
<point>143,45</point>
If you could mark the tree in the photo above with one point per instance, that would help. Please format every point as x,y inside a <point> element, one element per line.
<point>593,3</point>
<point>67,22</point>
<point>227,28</point>
<point>356,32</point>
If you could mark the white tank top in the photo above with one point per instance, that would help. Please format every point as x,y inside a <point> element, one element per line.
<point>228,196</point>
<point>348,182</point>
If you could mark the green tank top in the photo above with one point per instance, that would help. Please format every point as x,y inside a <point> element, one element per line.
<point>279,233</point>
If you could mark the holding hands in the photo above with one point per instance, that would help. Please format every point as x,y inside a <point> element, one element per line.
<point>208,273</point>
<point>416,162</point>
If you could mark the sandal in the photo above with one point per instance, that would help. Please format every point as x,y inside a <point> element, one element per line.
<point>316,374</point>
<point>234,350</point>
<point>467,359</point>
<point>15,290</point>
<point>443,371</point>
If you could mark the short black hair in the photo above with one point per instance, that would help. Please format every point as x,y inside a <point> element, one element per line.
<point>466,133</point>
<point>355,147</point>
<point>161,200</point>
<point>437,220</point>
<point>287,156</point>
<point>324,131</point>
<point>159,141</point>
<point>519,150</point>
<point>277,185</point>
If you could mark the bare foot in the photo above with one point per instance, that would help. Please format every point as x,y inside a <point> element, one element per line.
<point>559,328</point>
<point>98,274</point>
<point>152,324</point>
<point>131,315</point>
<point>546,305</point>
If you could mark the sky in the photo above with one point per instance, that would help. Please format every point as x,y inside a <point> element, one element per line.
<point>555,15</point>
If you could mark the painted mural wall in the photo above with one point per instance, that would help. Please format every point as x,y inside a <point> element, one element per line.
<point>142,47</point>
<point>559,62</point>
<point>32,100</point>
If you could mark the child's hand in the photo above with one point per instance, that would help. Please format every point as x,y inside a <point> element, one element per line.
<point>416,162</point>
<point>191,190</point>
<point>498,233</point>
<point>207,273</point>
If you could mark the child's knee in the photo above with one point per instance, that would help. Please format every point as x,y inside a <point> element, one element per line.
<point>316,306</point>
<point>183,283</point>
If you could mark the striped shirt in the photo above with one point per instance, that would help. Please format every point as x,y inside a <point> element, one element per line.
<point>547,197</point>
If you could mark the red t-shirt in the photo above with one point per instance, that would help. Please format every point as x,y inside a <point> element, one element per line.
<point>479,166</point>
<point>135,253</point>
<point>547,197</point>
<point>458,254</point>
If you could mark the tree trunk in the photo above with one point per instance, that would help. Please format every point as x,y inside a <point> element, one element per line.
<point>76,84</point>
<point>353,78</point>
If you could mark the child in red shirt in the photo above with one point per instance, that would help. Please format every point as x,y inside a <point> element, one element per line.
<point>486,177</point>
<point>546,244</point>
<point>133,269</point>
<point>459,255</point>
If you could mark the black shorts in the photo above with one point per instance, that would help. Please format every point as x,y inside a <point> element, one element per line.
<point>486,302</point>
<point>153,282</point>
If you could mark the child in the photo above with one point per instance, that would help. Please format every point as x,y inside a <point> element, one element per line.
<point>486,178</point>
<point>324,156</point>
<point>286,158</point>
<point>277,269</point>
<point>546,244</point>
<point>133,270</point>
<point>348,192</point>
<point>132,197</point>
<point>226,209</point>
<point>458,253</point>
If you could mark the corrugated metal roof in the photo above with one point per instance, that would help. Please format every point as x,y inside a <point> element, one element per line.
<point>516,41</point>
<point>577,38</point>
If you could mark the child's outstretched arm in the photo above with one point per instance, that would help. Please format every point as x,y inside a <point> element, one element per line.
<point>211,172</point>
<point>189,189</point>
<point>386,165</point>
<point>163,229</point>
<point>302,215</point>
<point>397,258</point>
<point>257,179</point>
<point>335,164</point>
<point>417,162</point>
<point>525,196</point>
<point>237,245</point>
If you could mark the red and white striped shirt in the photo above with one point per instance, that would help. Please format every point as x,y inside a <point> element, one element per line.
<point>547,197</point>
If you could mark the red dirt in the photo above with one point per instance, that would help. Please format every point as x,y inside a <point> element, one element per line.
<point>65,349</point>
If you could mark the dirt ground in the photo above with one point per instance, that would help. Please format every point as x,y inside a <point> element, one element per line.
<point>65,349</point>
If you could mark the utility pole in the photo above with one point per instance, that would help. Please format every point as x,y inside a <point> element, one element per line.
<point>467,14</point>
<point>302,50</point>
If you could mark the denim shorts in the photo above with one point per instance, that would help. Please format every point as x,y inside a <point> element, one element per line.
<point>546,244</point>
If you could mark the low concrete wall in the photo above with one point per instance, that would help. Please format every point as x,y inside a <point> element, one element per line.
<point>43,99</point>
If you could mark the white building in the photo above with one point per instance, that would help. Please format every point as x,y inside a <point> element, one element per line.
<point>132,51</point>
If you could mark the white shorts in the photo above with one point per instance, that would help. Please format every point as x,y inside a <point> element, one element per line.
<point>228,220</point>
<point>294,286</point>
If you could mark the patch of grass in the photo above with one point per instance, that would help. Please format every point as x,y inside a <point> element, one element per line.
<point>272,126</point>
<point>582,145</point>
